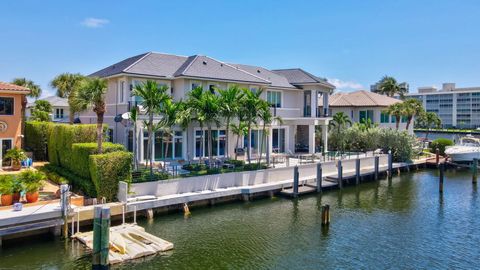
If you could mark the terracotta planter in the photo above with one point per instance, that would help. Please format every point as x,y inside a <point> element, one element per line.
<point>16,166</point>
<point>16,197</point>
<point>32,197</point>
<point>7,199</point>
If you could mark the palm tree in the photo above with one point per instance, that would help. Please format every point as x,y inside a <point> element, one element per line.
<point>134,119</point>
<point>169,112</point>
<point>152,98</point>
<point>41,111</point>
<point>251,104</point>
<point>91,93</point>
<point>265,114</point>
<point>67,84</point>
<point>184,118</point>
<point>396,110</point>
<point>411,108</point>
<point>429,120</point>
<point>339,121</point>
<point>229,108</point>
<point>390,87</point>
<point>239,129</point>
<point>35,92</point>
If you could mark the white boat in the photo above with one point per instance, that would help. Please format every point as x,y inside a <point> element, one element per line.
<point>466,150</point>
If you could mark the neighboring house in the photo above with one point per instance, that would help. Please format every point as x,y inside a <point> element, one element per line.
<point>456,107</point>
<point>60,110</point>
<point>362,105</point>
<point>11,99</point>
<point>293,94</point>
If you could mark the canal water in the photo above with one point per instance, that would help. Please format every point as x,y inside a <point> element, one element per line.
<point>403,224</point>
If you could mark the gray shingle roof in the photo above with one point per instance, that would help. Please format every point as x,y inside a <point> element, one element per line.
<point>197,66</point>
<point>300,76</point>
<point>54,101</point>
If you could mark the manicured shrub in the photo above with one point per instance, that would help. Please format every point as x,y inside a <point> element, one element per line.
<point>441,144</point>
<point>145,176</point>
<point>79,184</point>
<point>237,163</point>
<point>81,153</point>
<point>36,139</point>
<point>195,167</point>
<point>254,166</point>
<point>107,170</point>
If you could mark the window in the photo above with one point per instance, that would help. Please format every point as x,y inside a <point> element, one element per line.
<point>58,113</point>
<point>218,142</point>
<point>121,92</point>
<point>364,115</point>
<point>384,117</point>
<point>404,119</point>
<point>195,85</point>
<point>394,119</point>
<point>274,98</point>
<point>278,140</point>
<point>254,89</point>
<point>6,106</point>
<point>134,84</point>
<point>212,87</point>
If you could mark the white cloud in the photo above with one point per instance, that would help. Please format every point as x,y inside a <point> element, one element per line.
<point>345,85</point>
<point>94,22</point>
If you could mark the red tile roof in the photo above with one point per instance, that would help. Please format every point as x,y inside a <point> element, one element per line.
<point>12,87</point>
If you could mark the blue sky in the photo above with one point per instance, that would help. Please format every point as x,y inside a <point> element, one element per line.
<point>353,43</point>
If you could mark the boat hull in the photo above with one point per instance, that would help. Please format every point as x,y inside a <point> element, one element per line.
<point>463,155</point>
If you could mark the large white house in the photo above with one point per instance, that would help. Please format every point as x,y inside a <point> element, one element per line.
<point>293,92</point>
<point>60,109</point>
<point>362,105</point>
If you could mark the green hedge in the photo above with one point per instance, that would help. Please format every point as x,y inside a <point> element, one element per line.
<point>107,170</point>
<point>62,175</point>
<point>36,138</point>
<point>441,144</point>
<point>81,153</point>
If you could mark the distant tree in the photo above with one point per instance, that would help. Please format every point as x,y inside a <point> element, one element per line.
<point>67,84</point>
<point>411,108</point>
<point>396,110</point>
<point>428,120</point>
<point>340,121</point>
<point>41,111</point>
<point>390,87</point>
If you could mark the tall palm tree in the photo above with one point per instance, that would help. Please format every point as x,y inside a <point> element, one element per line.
<point>152,98</point>
<point>91,93</point>
<point>169,112</point>
<point>229,109</point>
<point>210,109</point>
<point>266,116</point>
<point>411,108</point>
<point>239,129</point>
<point>35,92</point>
<point>251,104</point>
<point>134,119</point>
<point>193,112</point>
<point>339,121</point>
<point>396,110</point>
<point>66,85</point>
<point>389,86</point>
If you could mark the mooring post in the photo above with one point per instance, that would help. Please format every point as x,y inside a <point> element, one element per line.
<point>340,173</point>
<point>319,177</point>
<point>442,173</point>
<point>105,243</point>
<point>97,236</point>
<point>390,163</point>
<point>357,171</point>
<point>437,156</point>
<point>295,181</point>
<point>325,215</point>
<point>377,159</point>
<point>64,205</point>
<point>474,170</point>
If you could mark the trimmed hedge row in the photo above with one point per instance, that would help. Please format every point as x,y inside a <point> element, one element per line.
<point>108,169</point>
<point>36,138</point>
<point>81,153</point>
<point>78,183</point>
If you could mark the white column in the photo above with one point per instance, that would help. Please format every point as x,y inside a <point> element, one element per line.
<point>313,103</point>
<point>325,138</point>
<point>292,130</point>
<point>269,144</point>
<point>311,139</point>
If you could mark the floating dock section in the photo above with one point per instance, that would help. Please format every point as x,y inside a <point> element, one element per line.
<point>128,242</point>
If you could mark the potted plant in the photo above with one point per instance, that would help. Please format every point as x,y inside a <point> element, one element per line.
<point>32,181</point>
<point>16,155</point>
<point>6,185</point>
<point>17,188</point>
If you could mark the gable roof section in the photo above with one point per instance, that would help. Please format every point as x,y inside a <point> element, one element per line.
<point>300,76</point>
<point>8,87</point>
<point>360,98</point>
<point>157,64</point>
<point>53,100</point>
<point>275,79</point>
<point>206,67</point>
<point>118,67</point>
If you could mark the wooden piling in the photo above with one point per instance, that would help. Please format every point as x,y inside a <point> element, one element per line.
<point>357,171</point>
<point>319,177</point>
<point>340,174</point>
<point>105,238</point>
<point>325,215</point>
<point>377,159</point>
<point>441,177</point>
<point>97,236</point>
<point>64,204</point>
<point>474,170</point>
<point>437,156</point>
<point>295,181</point>
<point>390,163</point>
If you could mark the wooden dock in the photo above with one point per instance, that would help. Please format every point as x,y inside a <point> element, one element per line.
<point>128,242</point>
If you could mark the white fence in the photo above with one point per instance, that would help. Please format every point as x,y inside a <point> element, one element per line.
<point>240,179</point>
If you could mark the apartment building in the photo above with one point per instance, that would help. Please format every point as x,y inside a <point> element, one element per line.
<point>457,107</point>
<point>293,94</point>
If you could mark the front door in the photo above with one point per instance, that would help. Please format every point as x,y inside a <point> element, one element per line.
<point>6,145</point>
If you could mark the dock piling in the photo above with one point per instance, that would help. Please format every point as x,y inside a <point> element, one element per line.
<point>441,177</point>
<point>295,181</point>
<point>97,236</point>
<point>319,177</point>
<point>325,215</point>
<point>377,160</point>
<point>340,173</point>
<point>437,156</point>
<point>390,163</point>
<point>474,170</point>
<point>357,171</point>
<point>105,238</point>
<point>64,204</point>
